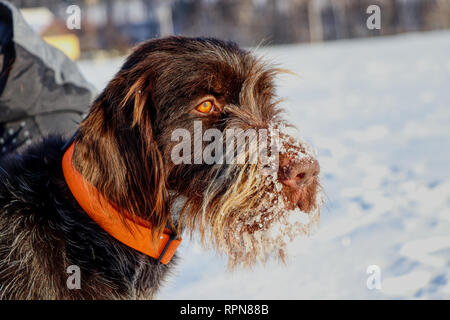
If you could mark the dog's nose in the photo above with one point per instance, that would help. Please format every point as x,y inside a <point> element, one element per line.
<point>298,174</point>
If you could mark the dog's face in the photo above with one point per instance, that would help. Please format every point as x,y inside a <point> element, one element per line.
<point>172,105</point>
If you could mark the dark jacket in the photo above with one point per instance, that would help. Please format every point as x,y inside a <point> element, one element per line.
<point>41,90</point>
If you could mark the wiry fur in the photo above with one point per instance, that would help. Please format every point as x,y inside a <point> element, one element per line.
<point>123,148</point>
<point>43,231</point>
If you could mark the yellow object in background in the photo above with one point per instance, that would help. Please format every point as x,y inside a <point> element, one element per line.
<point>67,43</point>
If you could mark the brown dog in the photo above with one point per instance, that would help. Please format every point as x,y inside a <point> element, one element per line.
<point>117,206</point>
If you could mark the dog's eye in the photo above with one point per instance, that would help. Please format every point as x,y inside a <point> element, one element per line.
<point>205,107</point>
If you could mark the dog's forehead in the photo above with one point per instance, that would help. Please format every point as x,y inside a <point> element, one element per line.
<point>228,75</point>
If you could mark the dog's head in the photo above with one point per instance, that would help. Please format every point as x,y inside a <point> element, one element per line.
<point>199,120</point>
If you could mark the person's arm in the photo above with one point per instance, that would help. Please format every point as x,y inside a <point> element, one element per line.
<point>41,90</point>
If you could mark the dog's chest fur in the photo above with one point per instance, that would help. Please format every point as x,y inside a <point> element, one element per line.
<point>43,231</point>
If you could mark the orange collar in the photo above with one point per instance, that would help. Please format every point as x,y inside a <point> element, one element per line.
<point>138,232</point>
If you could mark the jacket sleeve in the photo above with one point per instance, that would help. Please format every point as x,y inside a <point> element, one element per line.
<point>41,90</point>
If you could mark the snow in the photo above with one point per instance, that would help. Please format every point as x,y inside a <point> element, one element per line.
<point>406,284</point>
<point>378,112</point>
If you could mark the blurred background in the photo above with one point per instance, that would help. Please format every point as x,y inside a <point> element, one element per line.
<point>374,102</point>
<point>113,26</point>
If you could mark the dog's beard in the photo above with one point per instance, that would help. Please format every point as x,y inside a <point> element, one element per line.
<point>246,213</point>
<point>267,222</point>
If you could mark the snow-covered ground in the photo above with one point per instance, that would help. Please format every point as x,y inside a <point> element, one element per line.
<point>378,111</point>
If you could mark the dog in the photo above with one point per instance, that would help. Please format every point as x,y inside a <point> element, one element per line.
<point>112,204</point>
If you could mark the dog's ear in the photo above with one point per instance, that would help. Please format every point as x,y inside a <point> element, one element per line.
<point>150,177</point>
<point>116,148</point>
